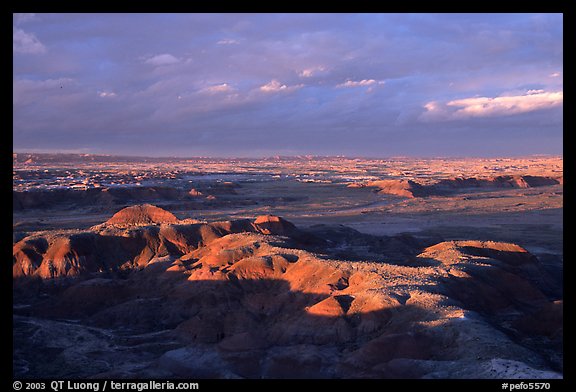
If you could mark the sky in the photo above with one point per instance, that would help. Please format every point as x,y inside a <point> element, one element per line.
<point>252,85</point>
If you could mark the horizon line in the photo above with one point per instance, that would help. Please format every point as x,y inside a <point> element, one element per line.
<point>280,156</point>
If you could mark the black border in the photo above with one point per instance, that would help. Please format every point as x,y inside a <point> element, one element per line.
<point>294,6</point>
<point>549,6</point>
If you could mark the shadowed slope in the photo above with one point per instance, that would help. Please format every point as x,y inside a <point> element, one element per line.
<point>245,299</point>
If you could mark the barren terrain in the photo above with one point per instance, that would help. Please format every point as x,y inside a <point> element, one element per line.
<point>287,267</point>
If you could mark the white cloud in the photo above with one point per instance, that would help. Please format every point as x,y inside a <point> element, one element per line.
<point>162,59</point>
<point>432,106</point>
<point>483,106</point>
<point>309,72</point>
<point>360,83</point>
<point>531,101</point>
<point>554,75</point>
<point>218,88</point>
<point>228,41</point>
<point>275,86</point>
<point>23,42</point>
<point>106,94</point>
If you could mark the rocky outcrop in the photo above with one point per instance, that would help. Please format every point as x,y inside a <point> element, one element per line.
<point>411,189</point>
<point>269,224</point>
<point>405,188</point>
<point>494,182</point>
<point>144,214</point>
<point>195,193</point>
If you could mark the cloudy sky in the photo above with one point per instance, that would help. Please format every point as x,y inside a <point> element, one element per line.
<point>285,84</point>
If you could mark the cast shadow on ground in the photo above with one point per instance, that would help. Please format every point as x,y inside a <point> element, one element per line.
<point>252,328</point>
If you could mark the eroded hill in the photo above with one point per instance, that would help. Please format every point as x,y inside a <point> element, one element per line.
<point>451,186</point>
<point>147,296</point>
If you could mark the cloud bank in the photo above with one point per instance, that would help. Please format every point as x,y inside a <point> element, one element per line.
<point>508,105</point>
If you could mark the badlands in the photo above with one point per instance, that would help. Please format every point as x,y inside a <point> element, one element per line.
<point>287,268</point>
